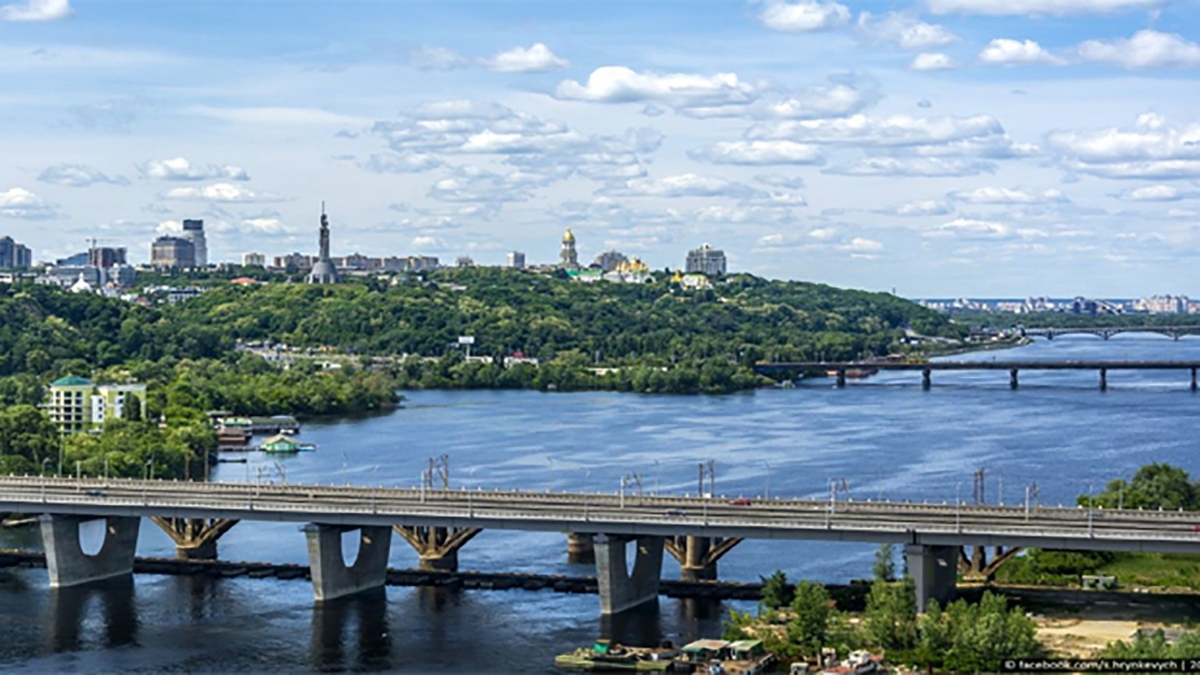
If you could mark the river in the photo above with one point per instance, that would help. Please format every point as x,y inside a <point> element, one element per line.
<point>884,436</point>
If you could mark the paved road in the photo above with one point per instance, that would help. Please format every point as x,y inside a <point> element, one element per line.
<point>931,524</point>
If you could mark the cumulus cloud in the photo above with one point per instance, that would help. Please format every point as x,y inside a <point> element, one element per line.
<point>862,244</point>
<point>428,243</point>
<point>758,153</point>
<point>1154,148</point>
<point>1146,49</point>
<point>400,162</point>
<point>436,58</point>
<point>36,10</point>
<point>536,59</point>
<point>924,207</point>
<point>1003,51</point>
<point>1037,7</point>
<point>180,169</point>
<point>980,135</point>
<point>618,84</point>
<point>21,203</point>
<point>78,175</point>
<point>1157,193</point>
<point>780,181</point>
<point>972,228</point>
<point>474,184</point>
<point>682,185</point>
<point>263,226</point>
<point>927,167</point>
<point>997,195</point>
<point>803,16</point>
<point>218,192</point>
<point>904,31</point>
<point>932,61</point>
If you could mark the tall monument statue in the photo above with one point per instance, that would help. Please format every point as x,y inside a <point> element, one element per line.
<point>323,271</point>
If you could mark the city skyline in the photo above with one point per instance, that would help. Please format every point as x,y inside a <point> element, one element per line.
<point>939,147</point>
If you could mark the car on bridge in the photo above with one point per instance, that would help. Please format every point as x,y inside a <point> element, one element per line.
<point>740,501</point>
<point>674,512</point>
<point>94,493</point>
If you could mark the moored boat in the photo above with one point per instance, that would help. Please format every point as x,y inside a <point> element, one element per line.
<point>605,656</point>
<point>281,444</point>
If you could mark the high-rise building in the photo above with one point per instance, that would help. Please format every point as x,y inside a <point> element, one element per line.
<point>14,255</point>
<point>610,260</point>
<point>254,260</point>
<point>193,231</point>
<point>172,252</point>
<point>105,257</point>
<point>516,260</point>
<point>323,271</point>
<point>77,260</point>
<point>705,260</point>
<point>76,404</point>
<point>568,257</point>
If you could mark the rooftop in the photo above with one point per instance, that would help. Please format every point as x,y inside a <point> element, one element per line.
<point>71,381</point>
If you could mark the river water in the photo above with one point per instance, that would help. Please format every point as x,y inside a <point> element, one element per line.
<point>884,436</point>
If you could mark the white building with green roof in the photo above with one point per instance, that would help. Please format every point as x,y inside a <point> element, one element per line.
<point>77,404</point>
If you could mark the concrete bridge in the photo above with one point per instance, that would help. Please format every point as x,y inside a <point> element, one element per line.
<point>843,369</point>
<point>932,534</point>
<point>1104,332</point>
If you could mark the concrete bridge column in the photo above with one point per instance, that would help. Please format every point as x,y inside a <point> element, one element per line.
<point>437,547</point>
<point>580,548</point>
<point>195,538</point>
<point>926,379</point>
<point>331,576</point>
<point>698,556</point>
<point>1194,383</point>
<point>1012,379</point>
<point>934,572</point>
<point>619,589</point>
<point>70,566</point>
<point>841,377</point>
<point>1104,379</point>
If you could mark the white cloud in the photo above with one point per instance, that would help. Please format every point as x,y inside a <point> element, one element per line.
<point>1157,193</point>
<point>980,135</point>
<point>618,84</point>
<point>36,10</point>
<point>925,62</point>
<point>428,243</point>
<point>1154,148</point>
<point>1146,49</point>
<point>905,31</point>
<point>536,59</point>
<point>169,227</point>
<point>474,184</point>
<point>180,169</point>
<point>996,195</point>
<point>781,181</point>
<point>1007,52</point>
<point>803,16</point>
<point>400,162</point>
<point>436,58</point>
<point>758,153</point>
<point>927,167</point>
<point>1037,7</point>
<point>972,228</point>
<point>924,207</point>
<point>862,244</point>
<point>276,115</point>
<point>683,185</point>
<point>78,175</point>
<point>21,203</point>
<point>218,192</point>
<point>263,226</point>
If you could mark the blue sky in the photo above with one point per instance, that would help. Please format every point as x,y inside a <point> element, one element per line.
<point>939,147</point>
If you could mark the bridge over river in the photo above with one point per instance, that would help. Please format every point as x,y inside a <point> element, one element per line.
<point>842,369</point>
<point>932,534</point>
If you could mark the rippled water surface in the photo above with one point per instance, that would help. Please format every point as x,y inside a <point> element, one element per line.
<point>885,436</point>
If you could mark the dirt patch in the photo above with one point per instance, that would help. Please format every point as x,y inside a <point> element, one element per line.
<point>1082,637</point>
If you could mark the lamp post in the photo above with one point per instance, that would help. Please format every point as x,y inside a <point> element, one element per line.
<point>958,506</point>
<point>655,477</point>
<point>44,460</point>
<point>767,481</point>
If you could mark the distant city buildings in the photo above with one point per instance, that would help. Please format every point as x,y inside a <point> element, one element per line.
<point>169,252</point>
<point>1163,304</point>
<point>705,260</point>
<point>14,256</point>
<point>515,260</point>
<point>254,260</point>
<point>193,231</point>
<point>106,256</point>
<point>464,261</point>
<point>76,404</point>
<point>610,260</point>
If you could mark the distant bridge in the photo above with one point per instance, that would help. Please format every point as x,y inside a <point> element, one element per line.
<point>1105,332</point>
<point>844,369</point>
<point>932,534</point>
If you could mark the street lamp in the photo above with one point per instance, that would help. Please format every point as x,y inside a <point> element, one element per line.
<point>958,506</point>
<point>44,460</point>
<point>655,477</point>
<point>149,474</point>
<point>767,480</point>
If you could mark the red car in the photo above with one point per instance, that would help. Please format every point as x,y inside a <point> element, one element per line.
<point>742,501</point>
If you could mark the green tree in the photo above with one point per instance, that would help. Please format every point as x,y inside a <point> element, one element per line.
<point>812,610</point>
<point>777,593</point>
<point>884,568</point>
<point>891,614</point>
<point>1154,486</point>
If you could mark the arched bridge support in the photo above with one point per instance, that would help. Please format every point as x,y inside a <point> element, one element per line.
<point>934,572</point>
<point>331,576</point>
<point>977,567</point>
<point>195,538</point>
<point>621,590</point>
<point>66,562</point>
<point>1013,381</point>
<point>437,547</point>
<point>698,556</point>
<point>926,379</point>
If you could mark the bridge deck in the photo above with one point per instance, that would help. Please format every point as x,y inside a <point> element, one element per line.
<point>895,522</point>
<point>978,365</point>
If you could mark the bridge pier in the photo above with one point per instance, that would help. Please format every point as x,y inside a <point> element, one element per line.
<point>331,576</point>
<point>619,589</point>
<point>580,548</point>
<point>66,562</point>
<point>195,538</point>
<point>934,572</point>
<point>698,556</point>
<point>926,379</point>
<point>1013,383</point>
<point>1194,383</point>
<point>841,377</point>
<point>437,547</point>
<point>1104,379</point>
